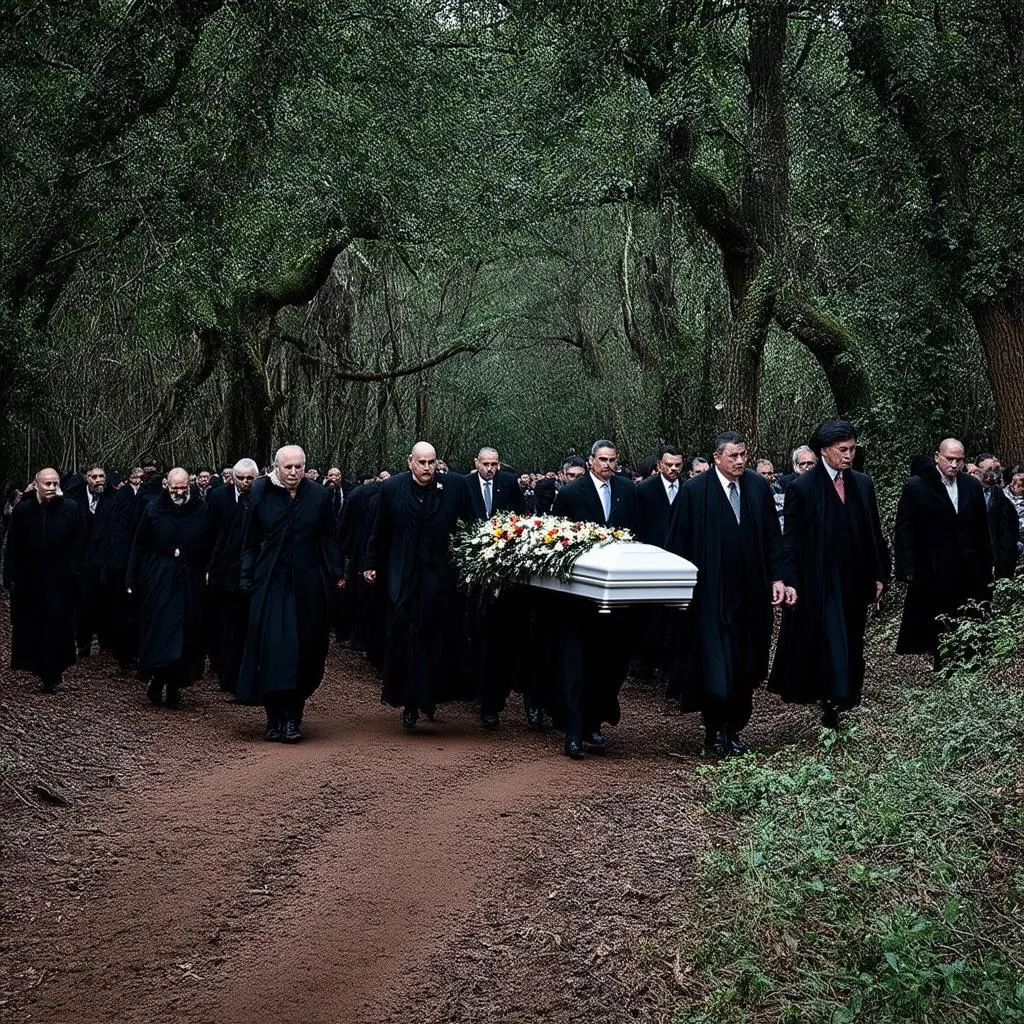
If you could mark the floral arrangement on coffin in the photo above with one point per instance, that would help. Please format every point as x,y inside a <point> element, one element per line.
<point>507,549</point>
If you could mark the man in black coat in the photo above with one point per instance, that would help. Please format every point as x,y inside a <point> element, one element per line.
<point>166,572</point>
<point>290,567</point>
<point>493,490</point>
<point>409,556</point>
<point>92,614</point>
<point>942,547</point>
<point>1002,517</point>
<point>724,522</point>
<point>833,541</point>
<point>227,603</point>
<point>43,556</point>
<point>591,667</point>
<point>547,488</point>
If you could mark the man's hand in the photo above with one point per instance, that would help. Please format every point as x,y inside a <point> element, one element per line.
<point>370,575</point>
<point>778,592</point>
<point>879,587</point>
<point>790,598</point>
<point>341,583</point>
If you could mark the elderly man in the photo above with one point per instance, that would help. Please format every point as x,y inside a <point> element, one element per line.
<point>1002,517</point>
<point>289,566</point>
<point>408,554</point>
<point>227,604</point>
<point>942,547</point>
<point>43,554</point>
<point>166,571</point>
<point>833,540</point>
<point>725,523</point>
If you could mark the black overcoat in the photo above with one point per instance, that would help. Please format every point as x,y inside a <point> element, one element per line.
<point>43,556</point>
<point>944,551</point>
<point>425,654</point>
<point>166,571</point>
<point>728,626</point>
<point>653,510</point>
<point>837,552</point>
<point>1003,529</point>
<point>225,523</point>
<point>290,565</point>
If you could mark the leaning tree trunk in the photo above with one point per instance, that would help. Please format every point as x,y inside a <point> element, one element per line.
<point>1000,327</point>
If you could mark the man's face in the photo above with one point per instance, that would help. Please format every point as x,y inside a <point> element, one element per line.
<point>96,480</point>
<point>949,458</point>
<point>805,461</point>
<point>312,474</point>
<point>291,468</point>
<point>570,473</point>
<point>47,484</point>
<point>203,478</point>
<point>135,476</point>
<point>767,470</point>
<point>731,461</point>
<point>670,467</point>
<point>177,487</point>
<point>840,455</point>
<point>1017,485</point>
<point>423,465</point>
<point>991,472</point>
<point>227,474</point>
<point>603,463</point>
<point>334,476</point>
<point>699,467</point>
<point>487,464</point>
<point>244,479</point>
<point>524,479</point>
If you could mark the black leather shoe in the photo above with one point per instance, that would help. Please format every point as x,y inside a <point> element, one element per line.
<point>716,742</point>
<point>409,719</point>
<point>573,749</point>
<point>290,732</point>
<point>829,715</point>
<point>534,719</point>
<point>173,697</point>
<point>273,733</point>
<point>736,746</point>
<point>490,720</point>
<point>595,739</point>
<point>155,693</point>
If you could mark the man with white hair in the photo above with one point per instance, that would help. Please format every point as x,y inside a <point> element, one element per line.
<point>44,551</point>
<point>408,554</point>
<point>166,571</point>
<point>227,604</point>
<point>289,566</point>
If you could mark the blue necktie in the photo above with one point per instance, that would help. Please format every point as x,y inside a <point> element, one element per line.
<point>606,500</point>
<point>487,498</point>
<point>734,499</point>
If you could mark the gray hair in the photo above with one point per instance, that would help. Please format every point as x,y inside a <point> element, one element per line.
<point>728,437</point>
<point>602,443</point>
<point>246,464</point>
<point>284,448</point>
<point>797,452</point>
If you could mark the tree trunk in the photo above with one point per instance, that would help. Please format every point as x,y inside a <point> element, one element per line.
<point>1001,330</point>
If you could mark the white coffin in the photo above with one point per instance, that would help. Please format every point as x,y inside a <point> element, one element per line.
<point>623,574</point>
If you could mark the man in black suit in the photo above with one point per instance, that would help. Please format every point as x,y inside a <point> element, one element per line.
<point>92,615</point>
<point>724,522</point>
<point>591,669</point>
<point>548,487</point>
<point>1002,517</point>
<point>833,542</point>
<point>654,499</point>
<point>227,604</point>
<point>942,547</point>
<point>409,556</point>
<point>493,490</point>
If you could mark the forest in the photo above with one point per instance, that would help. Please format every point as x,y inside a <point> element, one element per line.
<point>352,224</point>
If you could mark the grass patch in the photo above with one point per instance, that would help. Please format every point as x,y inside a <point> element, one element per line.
<point>878,876</point>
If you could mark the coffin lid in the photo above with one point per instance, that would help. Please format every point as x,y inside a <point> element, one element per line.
<point>623,564</point>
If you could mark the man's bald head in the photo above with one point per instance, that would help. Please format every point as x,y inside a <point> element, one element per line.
<point>950,457</point>
<point>178,485</point>
<point>47,483</point>
<point>290,466</point>
<point>422,462</point>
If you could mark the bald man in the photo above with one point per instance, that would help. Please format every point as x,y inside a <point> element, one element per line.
<point>44,554</point>
<point>408,555</point>
<point>289,566</point>
<point>942,547</point>
<point>166,573</point>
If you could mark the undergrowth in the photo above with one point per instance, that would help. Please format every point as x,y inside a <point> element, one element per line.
<point>879,876</point>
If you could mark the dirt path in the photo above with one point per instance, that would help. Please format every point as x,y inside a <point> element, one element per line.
<point>364,875</point>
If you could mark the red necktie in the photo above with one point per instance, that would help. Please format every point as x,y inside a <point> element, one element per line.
<point>840,487</point>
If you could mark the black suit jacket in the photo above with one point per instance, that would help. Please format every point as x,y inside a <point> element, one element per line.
<point>653,510</point>
<point>1003,528</point>
<point>580,502</point>
<point>225,521</point>
<point>544,494</point>
<point>505,494</point>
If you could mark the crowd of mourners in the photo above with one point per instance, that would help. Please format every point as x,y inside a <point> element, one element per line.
<point>253,571</point>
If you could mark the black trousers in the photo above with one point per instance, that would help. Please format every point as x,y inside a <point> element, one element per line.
<point>284,706</point>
